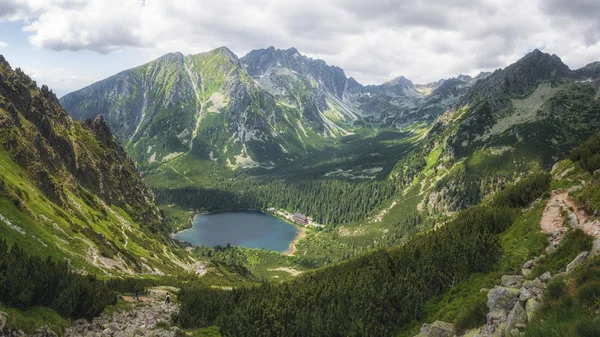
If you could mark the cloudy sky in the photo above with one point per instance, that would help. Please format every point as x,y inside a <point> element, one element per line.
<point>68,44</point>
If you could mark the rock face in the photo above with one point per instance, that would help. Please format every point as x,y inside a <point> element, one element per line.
<point>259,110</point>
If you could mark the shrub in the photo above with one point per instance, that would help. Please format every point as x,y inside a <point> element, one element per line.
<point>589,294</point>
<point>474,314</point>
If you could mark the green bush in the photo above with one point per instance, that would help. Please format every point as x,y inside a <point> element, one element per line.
<point>588,153</point>
<point>474,314</point>
<point>574,242</point>
<point>588,329</point>
<point>589,294</point>
<point>523,192</point>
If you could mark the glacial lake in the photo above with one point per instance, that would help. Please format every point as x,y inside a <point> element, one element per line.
<point>251,229</point>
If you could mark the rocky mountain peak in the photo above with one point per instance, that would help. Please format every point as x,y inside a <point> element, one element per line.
<point>399,81</point>
<point>101,130</point>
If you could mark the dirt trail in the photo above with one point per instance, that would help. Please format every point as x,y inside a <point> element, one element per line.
<point>553,220</point>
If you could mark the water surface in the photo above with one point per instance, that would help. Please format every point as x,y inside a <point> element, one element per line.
<point>240,228</point>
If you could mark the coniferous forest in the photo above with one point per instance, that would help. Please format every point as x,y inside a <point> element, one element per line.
<point>371,294</point>
<point>27,281</point>
<point>327,201</point>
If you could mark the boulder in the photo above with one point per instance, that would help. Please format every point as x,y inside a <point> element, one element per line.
<point>3,319</point>
<point>529,264</point>
<point>530,284</point>
<point>596,247</point>
<point>494,319</point>
<point>517,318</point>
<point>545,277</point>
<point>512,281</point>
<point>525,294</point>
<point>575,188</point>
<point>441,329</point>
<point>502,298</point>
<point>45,331</point>
<point>573,222</point>
<point>531,307</point>
<point>577,261</point>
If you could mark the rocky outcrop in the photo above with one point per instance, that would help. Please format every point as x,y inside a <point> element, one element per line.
<point>146,319</point>
<point>437,329</point>
<point>577,261</point>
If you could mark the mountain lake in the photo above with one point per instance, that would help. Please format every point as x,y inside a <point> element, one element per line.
<point>251,229</point>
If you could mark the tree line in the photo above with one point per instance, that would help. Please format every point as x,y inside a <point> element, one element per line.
<point>327,201</point>
<point>371,294</point>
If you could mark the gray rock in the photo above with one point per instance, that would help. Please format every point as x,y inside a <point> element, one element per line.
<point>502,298</point>
<point>573,222</point>
<point>596,247</point>
<point>3,319</point>
<point>559,275</point>
<point>513,281</point>
<point>525,294</point>
<point>575,188</point>
<point>514,333</point>
<point>526,272</point>
<point>577,261</point>
<point>529,264</point>
<point>545,277</point>
<point>441,329</point>
<point>517,318</point>
<point>494,319</point>
<point>425,328</point>
<point>178,332</point>
<point>535,283</point>
<point>531,308</point>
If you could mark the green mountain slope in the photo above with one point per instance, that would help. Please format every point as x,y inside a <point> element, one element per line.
<point>68,190</point>
<point>526,116</point>
<point>203,106</point>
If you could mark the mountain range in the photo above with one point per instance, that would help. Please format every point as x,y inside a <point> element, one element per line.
<point>260,110</point>
<point>426,193</point>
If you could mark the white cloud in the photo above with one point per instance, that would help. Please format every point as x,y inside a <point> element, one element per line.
<point>371,40</point>
<point>3,44</point>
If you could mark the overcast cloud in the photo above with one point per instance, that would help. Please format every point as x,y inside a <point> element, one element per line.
<point>373,41</point>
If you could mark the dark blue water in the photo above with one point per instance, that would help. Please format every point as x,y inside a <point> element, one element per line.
<point>240,228</point>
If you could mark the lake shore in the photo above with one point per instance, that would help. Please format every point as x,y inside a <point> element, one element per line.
<point>302,233</point>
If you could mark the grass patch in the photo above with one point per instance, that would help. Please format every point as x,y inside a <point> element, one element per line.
<point>32,319</point>
<point>574,242</point>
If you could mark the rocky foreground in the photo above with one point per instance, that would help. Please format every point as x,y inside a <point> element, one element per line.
<point>149,317</point>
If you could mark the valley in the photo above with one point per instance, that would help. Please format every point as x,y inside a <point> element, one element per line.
<point>424,194</point>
